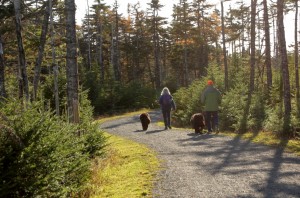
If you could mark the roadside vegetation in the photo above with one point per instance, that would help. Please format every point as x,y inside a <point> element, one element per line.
<point>43,155</point>
<point>264,122</point>
<point>127,170</point>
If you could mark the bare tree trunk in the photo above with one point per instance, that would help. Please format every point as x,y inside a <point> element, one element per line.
<point>71,62</point>
<point>268,46</point>
<point>185,61</point>
<point>244,121</point>
<point>243,33</point>
<point>39,59</point>
<point>252,56</point>
<point>296,54</point>
<point>115,45</point>
<point>23,80</point>
<point>89,36</point>
<point>117,54</point>
<point>2,69</point>
<point>284,68</point>
<point>224,48</point>
<point>54,64</point>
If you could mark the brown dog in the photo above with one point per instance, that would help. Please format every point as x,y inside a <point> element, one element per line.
<point>198,122</point>
<point>145,120</point>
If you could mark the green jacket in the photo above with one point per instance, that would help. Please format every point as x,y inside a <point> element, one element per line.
<point>211,98</point>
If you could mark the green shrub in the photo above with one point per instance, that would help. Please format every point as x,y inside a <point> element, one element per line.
<point>232,108</point>
<point>188,102</point>
<point>41,154</point>
<point>188,99</point>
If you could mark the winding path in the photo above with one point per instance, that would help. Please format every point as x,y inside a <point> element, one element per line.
<point>200,166</point>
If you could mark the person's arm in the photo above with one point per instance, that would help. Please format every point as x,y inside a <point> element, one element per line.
<point>203,96</point>
<point>173,104</point>
<point>160,100</point>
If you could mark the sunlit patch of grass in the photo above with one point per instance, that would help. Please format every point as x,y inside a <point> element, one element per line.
<point>128,170</point>
<point>160,123</point>
<point>270,139</point>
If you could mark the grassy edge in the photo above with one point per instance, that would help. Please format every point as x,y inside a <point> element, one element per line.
<point>127,170</point>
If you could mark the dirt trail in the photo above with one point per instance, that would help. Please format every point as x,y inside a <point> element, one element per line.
<point>199,166</point>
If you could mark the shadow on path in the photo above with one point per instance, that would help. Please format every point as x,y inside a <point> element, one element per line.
<point>237,146</point>
<point>238,157</point>
<point>273,185</point>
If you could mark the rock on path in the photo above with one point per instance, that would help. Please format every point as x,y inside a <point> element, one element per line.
<point>200,166</point>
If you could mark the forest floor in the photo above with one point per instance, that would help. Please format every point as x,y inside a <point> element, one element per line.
<point>212,165</point>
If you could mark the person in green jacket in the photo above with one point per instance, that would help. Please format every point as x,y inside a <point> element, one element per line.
<point>211,98</point>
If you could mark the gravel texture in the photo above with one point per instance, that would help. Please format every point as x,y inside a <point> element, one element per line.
<point>210,165</point>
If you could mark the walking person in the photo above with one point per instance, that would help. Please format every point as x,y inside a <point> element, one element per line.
<point>167,104</point>
<point>211,98</point>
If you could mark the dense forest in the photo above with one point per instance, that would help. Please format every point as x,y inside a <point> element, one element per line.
<point>56,75</point>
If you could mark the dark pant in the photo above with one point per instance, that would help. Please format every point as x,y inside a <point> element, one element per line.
<point>211,120</point>
<point>167,116</point>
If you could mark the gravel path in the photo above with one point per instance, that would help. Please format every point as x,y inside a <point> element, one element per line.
<point>210,165</point>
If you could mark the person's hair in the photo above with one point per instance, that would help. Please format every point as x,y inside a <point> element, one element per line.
<point>165,91</point>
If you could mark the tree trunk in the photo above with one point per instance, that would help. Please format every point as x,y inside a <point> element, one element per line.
<point>244,122</point>
<point>39,59</point>
<point>89,36</point>
<point>2,69</point>
<point>284,68</point>
<point>296,54</point>
<point>268,46</point>
<point>115,45</point>
<point>54,64</point>
<point>156,44</point>
<point>23,80</point>
<point>99,42</point>
<point>224,48</point>
<point>71,62</point>
<point>253,39</point>
<point>243,33</point>
<point>185,34</point>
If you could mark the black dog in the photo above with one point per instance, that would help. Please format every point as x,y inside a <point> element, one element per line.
<point>145,120</point>
<point>198,122</point>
